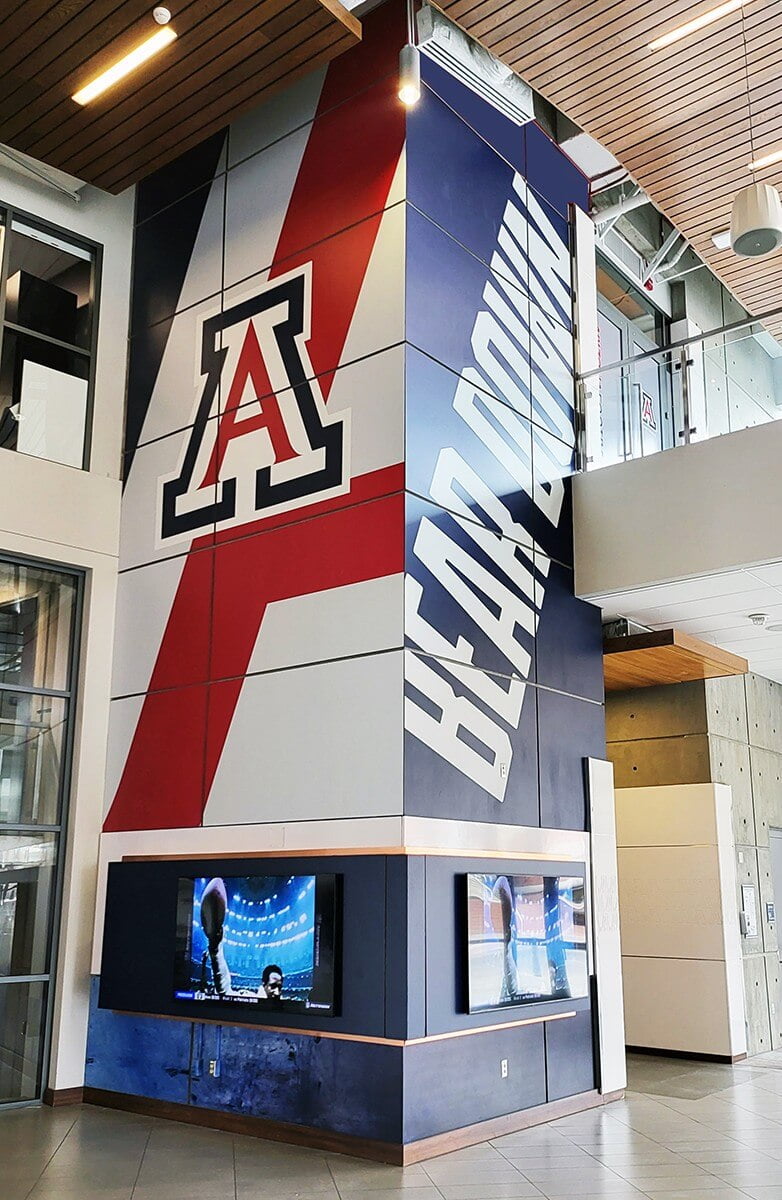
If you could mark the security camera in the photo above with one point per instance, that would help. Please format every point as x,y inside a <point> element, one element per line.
<point>756,222</point>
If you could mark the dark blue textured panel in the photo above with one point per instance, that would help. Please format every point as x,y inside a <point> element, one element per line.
<point>446,945</point>
<point>570,1060</point>
<point>142,1056</point>
<point>474,585</point>
<point>457,1082</point>
<point>181,176</point>
<point>569,644</point>
<point>397,915</point>
<point>444,295</point>
<point>569,730</point>
<point>454,175</point>
<point>507,138</point>
<point>416,947</point>
<point>446,782</point>
<point>163,255</point>
<point>348,1087</point>
<point>482,437</point>
<point>552,174</point>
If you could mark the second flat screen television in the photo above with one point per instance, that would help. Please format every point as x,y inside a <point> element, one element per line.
<point>261,940</point>
<point>526,940</point>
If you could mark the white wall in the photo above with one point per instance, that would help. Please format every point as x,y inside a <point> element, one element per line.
<point>62,515</point>
<point>702,508</point>
<point>681,946</point>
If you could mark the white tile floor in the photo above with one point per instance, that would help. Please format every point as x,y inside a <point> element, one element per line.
<point>685,1131</point>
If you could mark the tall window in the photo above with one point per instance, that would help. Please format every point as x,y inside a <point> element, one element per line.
<point>48,311</point>
<point>38,621</point>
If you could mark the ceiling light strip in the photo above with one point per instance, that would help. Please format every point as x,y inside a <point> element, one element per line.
<point>124,66</point>
<point>757,164</point>
<point>708,18</point>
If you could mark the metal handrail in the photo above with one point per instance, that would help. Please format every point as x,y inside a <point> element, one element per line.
<point>678,345</point>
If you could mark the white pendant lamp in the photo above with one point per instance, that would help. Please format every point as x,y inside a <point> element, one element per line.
<point>756,219</point>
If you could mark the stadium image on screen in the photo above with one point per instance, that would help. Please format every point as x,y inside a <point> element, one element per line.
<point>262,940</point>
<point>527,939</point>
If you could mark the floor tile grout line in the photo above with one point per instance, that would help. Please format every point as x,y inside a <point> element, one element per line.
<point>50,1159</point>
<point>141,1161</point>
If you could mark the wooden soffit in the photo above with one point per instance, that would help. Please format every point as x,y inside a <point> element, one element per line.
<point>664,656</point>
<point>677,118</point>
<point>229,55</point>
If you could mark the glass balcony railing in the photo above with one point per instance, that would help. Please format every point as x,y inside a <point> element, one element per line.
<point>714,383</point>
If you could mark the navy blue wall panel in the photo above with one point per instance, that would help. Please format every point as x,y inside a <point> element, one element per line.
<point>569,730</point>
<point>142,1056</point>
<point>570,1061</point>
<point>457,1082</point>
<point>349,1087</point>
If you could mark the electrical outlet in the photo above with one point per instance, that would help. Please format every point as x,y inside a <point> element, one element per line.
<point>503,1068</point>
<point>213,1067</point>
<point>503,770</point>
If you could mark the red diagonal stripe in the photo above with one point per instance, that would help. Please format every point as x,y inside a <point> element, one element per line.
<point>347,169</point>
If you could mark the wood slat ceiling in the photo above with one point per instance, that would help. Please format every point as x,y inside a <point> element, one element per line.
<point>229,56</point>
<point>662,657</point>
<point>677,118</point>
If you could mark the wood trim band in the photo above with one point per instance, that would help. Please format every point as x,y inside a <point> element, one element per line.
<point>59,1097</point>
<point>352,851</point>
<point>342,1143</point>
<point>401,1043</point>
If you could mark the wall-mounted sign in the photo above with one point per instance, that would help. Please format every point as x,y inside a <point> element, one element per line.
<point>771,911</point>
<point>749,909</point>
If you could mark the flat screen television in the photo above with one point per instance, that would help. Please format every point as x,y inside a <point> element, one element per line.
<point>526,940</point>
<point>267,941</point>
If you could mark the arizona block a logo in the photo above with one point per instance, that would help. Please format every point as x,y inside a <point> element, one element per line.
<point>262,441</point>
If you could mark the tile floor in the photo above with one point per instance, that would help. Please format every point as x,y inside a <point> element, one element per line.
<point>685,1132</point>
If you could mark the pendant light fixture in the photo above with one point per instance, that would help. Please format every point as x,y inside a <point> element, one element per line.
<point>756,219</point>
<point>410,64</point>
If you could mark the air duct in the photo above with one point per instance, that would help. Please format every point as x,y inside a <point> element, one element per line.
<point>474,66</point>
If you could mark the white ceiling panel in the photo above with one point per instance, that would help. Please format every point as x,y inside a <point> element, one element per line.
<point>715,608</point>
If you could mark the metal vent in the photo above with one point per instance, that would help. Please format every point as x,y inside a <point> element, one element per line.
<point>466,60</point>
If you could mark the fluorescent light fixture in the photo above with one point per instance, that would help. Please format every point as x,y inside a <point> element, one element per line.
<point>721,240</point>
<point>148,49</point>
<point>758,164</point>
<point>707,18</point>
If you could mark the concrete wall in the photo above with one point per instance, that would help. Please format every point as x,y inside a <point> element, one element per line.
<point>65,516</point>
<point>726,731</point>
<point>681,953</point>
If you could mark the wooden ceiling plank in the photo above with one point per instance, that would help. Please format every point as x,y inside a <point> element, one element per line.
<point>211,42</point>
<point>99,47</point>
<point>236,63</point>
<point>306,57</point>
<point>93,27</point>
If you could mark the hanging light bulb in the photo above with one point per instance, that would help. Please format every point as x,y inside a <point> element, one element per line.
<point>409,75</point>
<point>409,64</point>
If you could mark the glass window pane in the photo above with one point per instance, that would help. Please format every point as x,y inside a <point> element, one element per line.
<point>36,626</point>
<point>43,399</point>
<point>27,873</point>
<point>22,1022</point>
<point>49,287</point>
<point>32,730</point>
